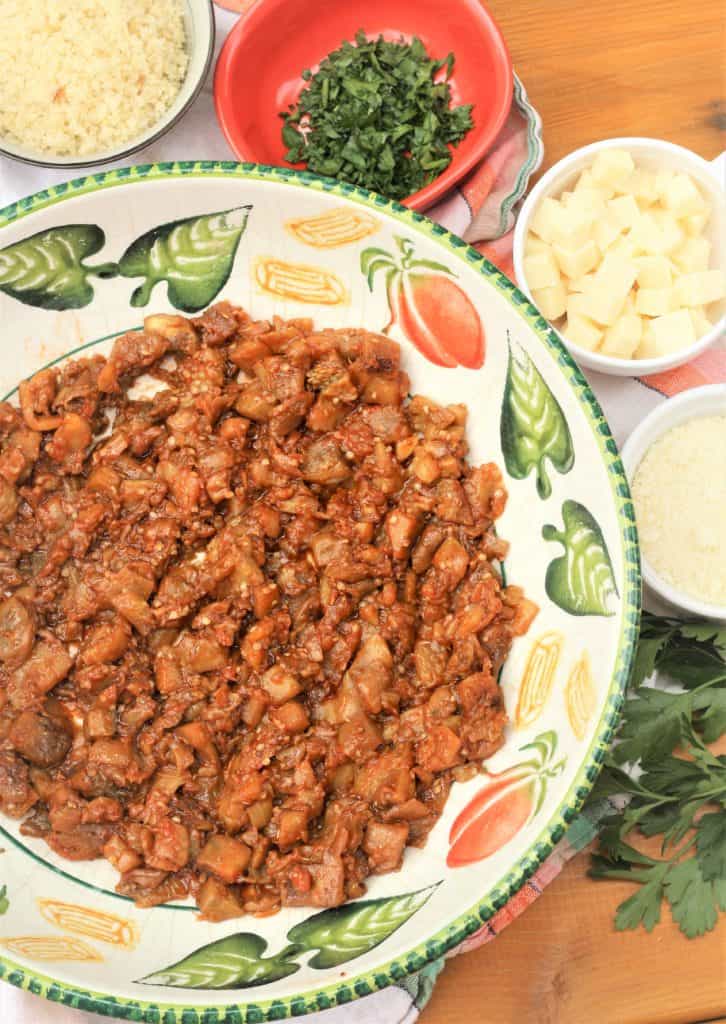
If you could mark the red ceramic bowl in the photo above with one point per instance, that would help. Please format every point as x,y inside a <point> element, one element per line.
<point>259,68</point>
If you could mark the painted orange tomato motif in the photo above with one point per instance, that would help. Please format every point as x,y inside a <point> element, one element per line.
<point>490,820</point>
<point>505,804</point>
<point>428,306</point>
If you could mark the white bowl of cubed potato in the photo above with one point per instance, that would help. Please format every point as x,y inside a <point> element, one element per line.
<point>622,247</point>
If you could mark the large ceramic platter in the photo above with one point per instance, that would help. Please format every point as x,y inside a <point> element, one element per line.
<point>84,262</point>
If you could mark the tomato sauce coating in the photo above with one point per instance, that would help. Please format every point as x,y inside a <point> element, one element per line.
<point>252,616</point>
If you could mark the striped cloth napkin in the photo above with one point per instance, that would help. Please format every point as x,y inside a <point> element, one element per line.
<point>482,209</point>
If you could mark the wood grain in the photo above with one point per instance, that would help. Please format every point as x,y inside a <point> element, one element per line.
<point>596,70</point>
<point>561,962</point>
<point>618,67</point>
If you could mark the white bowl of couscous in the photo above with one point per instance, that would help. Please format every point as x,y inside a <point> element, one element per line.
<point>643,221</point>
<point>87,83</point>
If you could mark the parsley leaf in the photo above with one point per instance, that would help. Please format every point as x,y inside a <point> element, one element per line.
<point>712,720</point>
<point>619,860</point>
<point>643,907</point>
<point>690,652</point>
<point>691,898</point>
<point>652,726</point>
<point>377,114</point>
<point>711,846</point>
<point>719,893</point>
<point>649,648</point>
<point>675,787</point>
<point>706,632</point>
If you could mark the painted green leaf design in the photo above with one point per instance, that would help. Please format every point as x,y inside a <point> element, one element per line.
<point>349,931</point>
<point>234,962</point>
<point>194,256</point>
<point>4,901</point>
<point>48,269</point>
<point>374,259</point>
<point>581,581</point>
<point>338,935</point>
<point>533,427</point>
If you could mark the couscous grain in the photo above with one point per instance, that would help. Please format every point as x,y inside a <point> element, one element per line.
<point>82,78</point>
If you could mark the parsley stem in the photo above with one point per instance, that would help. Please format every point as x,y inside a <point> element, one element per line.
<point>677,854</point>
<point>632,874</point>
<point>709,682</point>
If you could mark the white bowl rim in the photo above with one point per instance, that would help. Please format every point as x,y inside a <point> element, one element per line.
<point>699,402</point>
<point>151,135</point>
<point>593,360</point>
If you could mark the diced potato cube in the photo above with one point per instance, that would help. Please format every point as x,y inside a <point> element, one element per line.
<point>600,305</point>
<point>551,301</point>
<point>699,288</point>
<point>541,270</point>
<point>605,297</point>
<point>672,332</point>
<point>663,179</point>
<point>641,185</point>
<point>654,272</point>
<point>692,255</point>
<point>622,248</point>
<point>695,224</point>
<point>581,284</point>
<point>547,219</point>
<point>565,197</point>
<point>576,262</point>
<point>586,183</point>
<point>581,331</point>
<point>576,303</point>
<point>607,229</point>
<point>671,231</point>
<point>612,264</point>
<point>656,232</point>
<point>590,202</point>
<point>646,236</point>
<point>681,197</point>
<point>575,226</point>
<point>701,324</point>
<point>612,167</point>
<point>629,305</point>
<point>625,210</point>
<point>653,301</point>
<point>534,244</point>
<point>623,337</point>
<point>646,349</point>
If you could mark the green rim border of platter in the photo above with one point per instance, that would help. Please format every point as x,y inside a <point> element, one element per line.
<point>452,934</point>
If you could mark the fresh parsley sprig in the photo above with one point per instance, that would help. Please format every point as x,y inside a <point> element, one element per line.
<point>377,114</point>
<point>675,786</point>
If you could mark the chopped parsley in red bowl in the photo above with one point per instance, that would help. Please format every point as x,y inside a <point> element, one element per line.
<point>358,127</point>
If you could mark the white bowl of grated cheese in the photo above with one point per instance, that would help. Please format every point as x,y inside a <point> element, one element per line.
<point>675,461</point>
<point>87,84</point>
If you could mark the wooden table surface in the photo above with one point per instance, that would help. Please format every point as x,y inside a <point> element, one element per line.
<point>607,68</point>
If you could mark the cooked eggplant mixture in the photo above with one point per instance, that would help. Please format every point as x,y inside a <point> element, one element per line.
<point>252,618</point>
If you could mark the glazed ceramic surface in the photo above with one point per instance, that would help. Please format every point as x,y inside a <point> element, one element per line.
<point>259,69</point>
<point>84,262</point>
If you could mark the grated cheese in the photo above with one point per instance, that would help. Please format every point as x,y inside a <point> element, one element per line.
<point>679,492</point>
